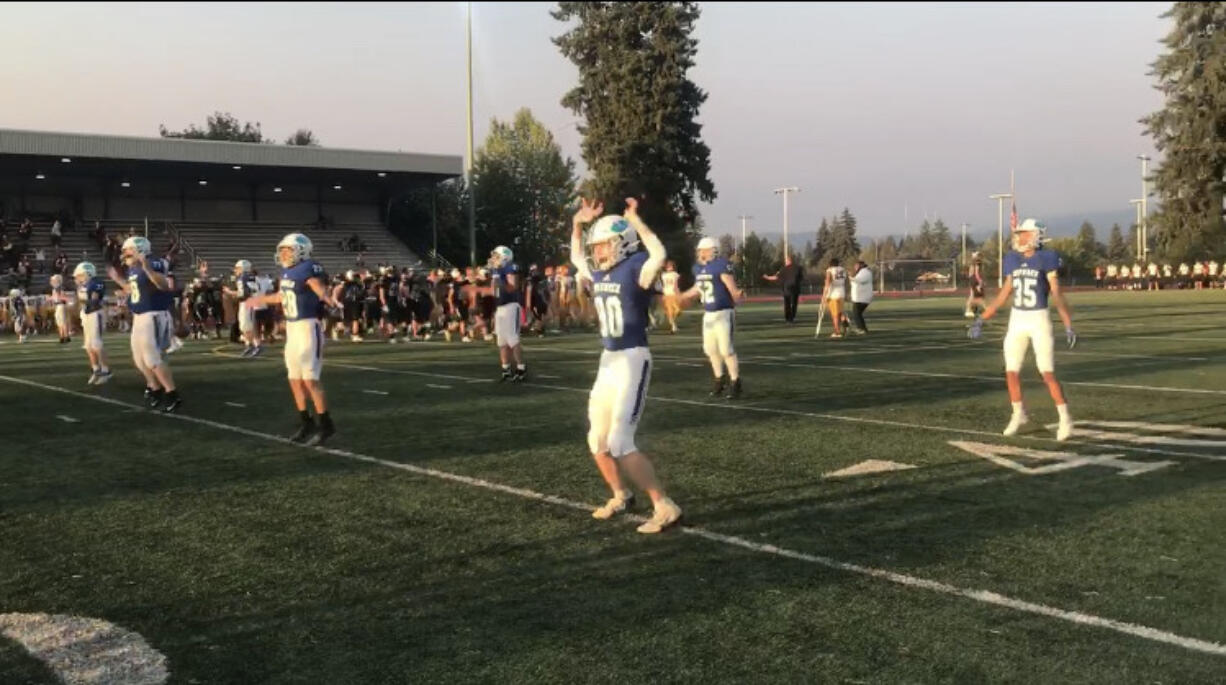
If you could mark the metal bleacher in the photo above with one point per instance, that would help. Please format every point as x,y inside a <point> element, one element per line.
<point>222,244</point>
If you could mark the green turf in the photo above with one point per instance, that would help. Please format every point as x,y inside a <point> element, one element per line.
<point>244,559</point>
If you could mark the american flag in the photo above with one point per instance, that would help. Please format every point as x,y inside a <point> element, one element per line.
<point>1013,215</point>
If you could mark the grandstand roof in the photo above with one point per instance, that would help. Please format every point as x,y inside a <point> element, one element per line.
<point>181,151</point>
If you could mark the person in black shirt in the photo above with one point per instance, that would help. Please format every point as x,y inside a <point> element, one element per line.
<point>789,278</point>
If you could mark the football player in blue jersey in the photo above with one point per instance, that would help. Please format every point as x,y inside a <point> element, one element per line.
<point>245,288</point>
<point>716,287</point>
<point>17,314</point>
<point>622,277</point>
<point>149,299</point>
<point>505,286</point>
<point>91,296</point>
<point>304,293</point>
<point>1031,279</point>
<point>59,298</point>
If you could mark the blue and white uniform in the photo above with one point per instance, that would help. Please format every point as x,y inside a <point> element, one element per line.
<point>719,315</point>
<point>1029,320</point>
<point>247,287</point>
<point>506,317</point>
<point>622,301</point>
<point>17,310</point>
<point>304,334</point>
<point>152,325</point>
<point>61,307</point>
<point>91,298</point>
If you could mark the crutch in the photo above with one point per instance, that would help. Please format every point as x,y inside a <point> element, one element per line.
<point>821,314</point>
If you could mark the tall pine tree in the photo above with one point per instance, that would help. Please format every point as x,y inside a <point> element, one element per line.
<point>1117,249</point>
<point>640,134</point>
<point>1190,131</point>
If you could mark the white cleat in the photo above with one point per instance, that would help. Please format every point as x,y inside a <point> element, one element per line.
<point>667,513</point>
<point>969,314</point>
<point>176,344</point>
<point>614,506</point>
<point>466,339</point>
<point>1015,424</point>
<point>102,377</point>
<point>93,378</point>
<point>1064,430</point>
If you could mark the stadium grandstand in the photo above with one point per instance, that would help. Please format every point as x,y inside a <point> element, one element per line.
<point>203,200</point>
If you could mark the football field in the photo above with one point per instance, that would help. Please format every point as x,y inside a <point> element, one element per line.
<point>855,517</point>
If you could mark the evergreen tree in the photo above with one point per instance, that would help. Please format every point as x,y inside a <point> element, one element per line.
<point>640,132</point>
<point>943,246</point>
<point>1190,131</point>
<point>1117,249</point>
<point>1087,241</point>
<point>843,243</point>
<point>924,243</point>
<point>823,244</point>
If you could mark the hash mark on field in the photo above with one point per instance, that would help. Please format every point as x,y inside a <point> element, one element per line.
<point>541,375</point>
<point>374,392</point>
<point>435,385</point>
<point>67,419</point>
<point>909,581</point>
<point>236,404</point>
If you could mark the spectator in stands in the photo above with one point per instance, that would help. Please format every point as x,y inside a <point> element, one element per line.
<point>24,272</point>
<point>10,253</point>
<point>361,260</point>
<point>99,234</point>
<point>60,265</point>
<point>40,259</point>
<point>57,234</point>
<point>26,230</point>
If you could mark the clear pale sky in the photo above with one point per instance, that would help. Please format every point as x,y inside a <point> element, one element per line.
<point>881,108</point>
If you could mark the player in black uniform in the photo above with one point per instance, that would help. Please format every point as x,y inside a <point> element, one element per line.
<point>419,294</point>
<point>370,284</point>
<point>389,308</point>
<point>537,300</point>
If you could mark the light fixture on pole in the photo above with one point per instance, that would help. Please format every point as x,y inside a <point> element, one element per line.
<point>785,191</point>
<point>1000,235</point>
<point>1138,247</point>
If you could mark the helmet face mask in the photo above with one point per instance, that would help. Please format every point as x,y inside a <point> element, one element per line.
<point>132,247</point>
<point>1028,235</point>
<point>293,249</point>
<point>610,240</point>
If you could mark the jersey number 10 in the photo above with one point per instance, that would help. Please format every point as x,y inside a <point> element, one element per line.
<point>609,311</point>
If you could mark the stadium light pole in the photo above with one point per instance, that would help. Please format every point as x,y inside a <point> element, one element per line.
<point>1143,223</point>
<point>1000,236</point>
<point>1139,204</point>
<point>785,191</point>
<point>468,160</point>
<point>743,218</point>
<point>964,244</point>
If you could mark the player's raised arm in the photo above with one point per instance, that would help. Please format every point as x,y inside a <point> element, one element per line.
<point>588,212</point>
<point>656,254</point>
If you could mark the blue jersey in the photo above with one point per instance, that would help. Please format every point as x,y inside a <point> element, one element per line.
<point>90,295</point>
<point>499,277</point>
<point>144,296</point>
<point>707,278</point>
<point>297,298</point>
<point>1030,285</point>
<point>19,306</point>
<point>621,305</point>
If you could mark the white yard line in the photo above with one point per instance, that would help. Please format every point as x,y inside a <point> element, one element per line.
<point>905,580</point>
<point>67,419</point>
<point>374,392</point>
<point>437,386</point>
<point>236,404</point>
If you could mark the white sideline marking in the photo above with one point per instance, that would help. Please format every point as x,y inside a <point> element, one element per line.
<point>439,387</point>
<point>67,419</point>
<point>86,650</point>
<point>1091,434</point>
<point>236,404</point>
<point>1206,431</point>
<point>869,466</point>
<point>813,415</point>
<point>374,392</point>
<point>983,596</point>
<point>999,455</point>
<point>926,374</point>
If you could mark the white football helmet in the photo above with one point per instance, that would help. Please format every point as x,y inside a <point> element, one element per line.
<point>1032,226</point>
<point>86,270</point>
<point>136,244</point>
<point>615,230</point>
<point>299,244</point>
<point>708,243</point>
<point>57,281</point>
<point>501,256</point>
<point>350,275</point>
<point>242,266</point>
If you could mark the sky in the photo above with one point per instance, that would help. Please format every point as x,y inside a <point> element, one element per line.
<point>896,111</point>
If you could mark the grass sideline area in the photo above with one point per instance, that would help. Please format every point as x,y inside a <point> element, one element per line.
<point>442,536</point>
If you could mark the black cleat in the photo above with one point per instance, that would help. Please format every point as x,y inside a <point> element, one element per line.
<point>718,389</point>
<point>325,431</point>
<point>172,403</point>
<point>506,376</point>
<point>734,391</point>
<point>304,432</point>
<point>519,375</point>
<point>153,398</point>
